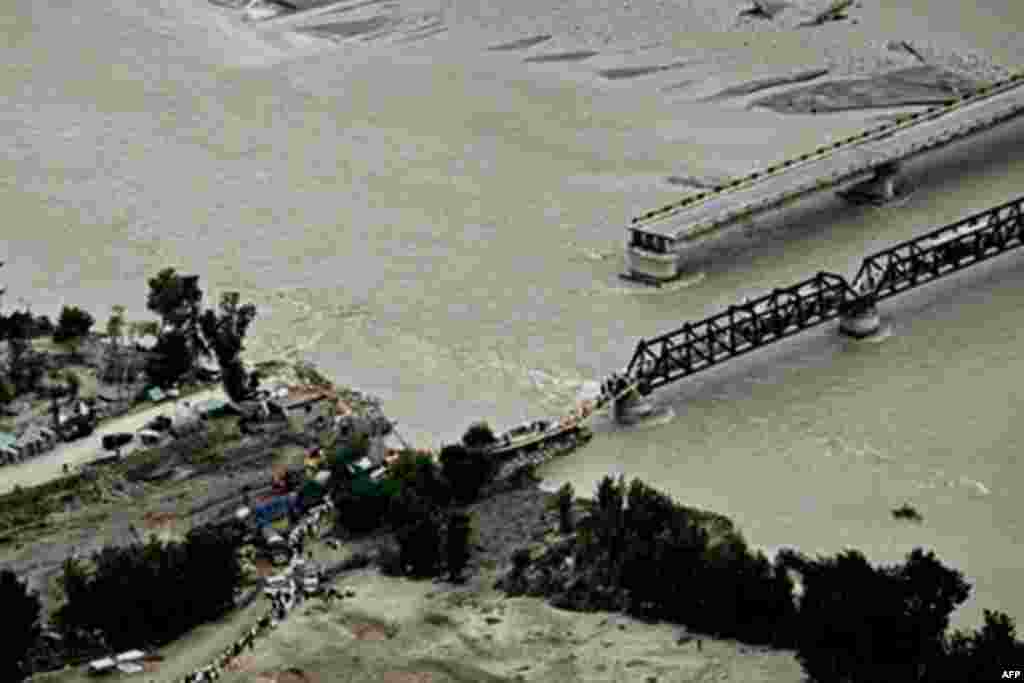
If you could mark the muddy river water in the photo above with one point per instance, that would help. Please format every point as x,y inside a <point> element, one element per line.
<point>441,225</point>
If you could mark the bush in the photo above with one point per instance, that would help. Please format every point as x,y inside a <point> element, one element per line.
<point>172,359</point>
<point>419,535</point>
<point>153,592</point>
<point>73,323</point>
<point>457,544</point>
<point>8,392</point>
<point>419,473</point>
<point>862,623</point>
<point>478,435</point>
<point>465,471</point>
<point>564,500</point>
<point>21,626</point>
<point>655,551</point>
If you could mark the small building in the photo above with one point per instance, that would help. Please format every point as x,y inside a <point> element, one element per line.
<point>9,451</point>
<point>35,440</point>
<point>308,407</point>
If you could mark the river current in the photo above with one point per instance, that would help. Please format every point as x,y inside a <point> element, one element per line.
<point>442,227</point>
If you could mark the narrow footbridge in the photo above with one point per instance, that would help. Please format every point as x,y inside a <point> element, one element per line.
<point>790,310</point>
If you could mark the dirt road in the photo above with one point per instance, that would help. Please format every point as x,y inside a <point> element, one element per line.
<point>49,465</point>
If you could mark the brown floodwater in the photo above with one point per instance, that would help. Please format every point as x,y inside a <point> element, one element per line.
<point>441,226</point>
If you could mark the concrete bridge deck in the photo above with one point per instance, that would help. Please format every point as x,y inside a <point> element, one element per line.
<point>869,161</point>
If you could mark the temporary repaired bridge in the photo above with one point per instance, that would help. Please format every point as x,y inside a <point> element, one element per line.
<point>788,311</point>
<point>866,164</point>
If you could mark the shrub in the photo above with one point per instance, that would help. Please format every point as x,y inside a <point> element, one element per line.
<point>73,323</point>
<point>564,500</point>
<point>420,536</point>
<point>465,471</point>
<point>478,435</point>
<point>457,544</point>
<point>8,392</point>
<point>21,625</point>
<point>151,592</point>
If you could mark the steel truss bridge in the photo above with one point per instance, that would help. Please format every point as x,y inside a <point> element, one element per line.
<point>785,312</point>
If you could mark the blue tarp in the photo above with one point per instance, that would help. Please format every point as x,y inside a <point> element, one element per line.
<point>266,512</point>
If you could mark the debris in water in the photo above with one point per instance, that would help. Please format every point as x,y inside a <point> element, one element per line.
<point>908,513</point>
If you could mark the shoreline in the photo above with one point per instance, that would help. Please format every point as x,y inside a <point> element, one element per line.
<point>513,512</point>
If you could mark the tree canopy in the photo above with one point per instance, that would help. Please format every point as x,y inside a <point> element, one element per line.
<point>224,331</point>
<point>73,324</point>
<point>21,625</point>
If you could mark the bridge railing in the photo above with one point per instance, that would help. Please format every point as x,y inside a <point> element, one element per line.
<point>790,310</point>
<point>915,262</point>
<point>739,329</point>
<point>881,131</point>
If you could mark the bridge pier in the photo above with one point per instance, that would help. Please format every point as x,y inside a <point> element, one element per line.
<point>630,407</point>
<point>651,258</point>
<point>860,319</point>
<point>884,187</point>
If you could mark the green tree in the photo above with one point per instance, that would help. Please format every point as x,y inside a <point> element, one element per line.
<point>931,592</point>
<point>564,501</point>
<point>72,327</point>
<point>213,571</point>
<point>138,329</point>
<point>116,326</point>
<point>224,332</point>
<point>861,623</point>
<point>20,365</point>
<point>465,471</point>
<point>457,535</point>
<point>419,535</point>
<point>177,299</point>
<point>478,435</point>
<point>77,614</point>
<point>609,529</point>
<point>171,359</point>
<point>21,626</point>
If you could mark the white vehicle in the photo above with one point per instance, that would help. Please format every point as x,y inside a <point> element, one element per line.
<point>278,583</point>
<point>100,666</point>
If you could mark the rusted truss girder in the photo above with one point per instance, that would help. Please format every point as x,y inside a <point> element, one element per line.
<point>740,329</point>
<point>785,312</point>
<point>948,249</point>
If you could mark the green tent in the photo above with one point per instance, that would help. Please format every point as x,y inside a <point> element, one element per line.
<point>155,394</point>
<point>213,407</point>
<point>311,493</point>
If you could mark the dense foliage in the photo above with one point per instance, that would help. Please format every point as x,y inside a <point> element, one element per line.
<point>21,626</point>
<point>150,593</point>
<point>224,331</point>
<point>640,551</point>
<point>73,324</point>
<point>478,435</point>
<point>467,471</point>
<point>187,333</point>
<point>25,367</point>
<point>564,499</point>
<point>414,499</point>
